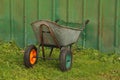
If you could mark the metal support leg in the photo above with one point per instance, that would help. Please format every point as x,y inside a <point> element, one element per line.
<point>42,42</point>
<point>38,50</point>
<point>43,52</point>
<point>51,52</point>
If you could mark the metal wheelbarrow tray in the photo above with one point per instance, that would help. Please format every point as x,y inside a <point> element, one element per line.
<point>50,34</point>
<point>54,34</point>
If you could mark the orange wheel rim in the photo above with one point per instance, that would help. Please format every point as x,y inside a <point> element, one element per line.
<point>33,56</point>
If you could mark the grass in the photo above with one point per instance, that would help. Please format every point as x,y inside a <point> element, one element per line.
<point>88,64</point>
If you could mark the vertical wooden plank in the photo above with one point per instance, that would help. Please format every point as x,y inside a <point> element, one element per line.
<point>83,17</point>
<point>75,15</point>
<point>100,23</point>
<point>61,12</point>
<point>45,9</point>
<point>75,11</point>
<point>5,20</point>
<point>108,26</point>
<point>31,15</point>
<point>53,10</point>
<point>116,31</point>
<point>17,21</point>
<point>118,23</point>
<point>91,13</point>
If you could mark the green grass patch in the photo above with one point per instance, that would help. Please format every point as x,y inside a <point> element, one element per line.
<point>88,64</point>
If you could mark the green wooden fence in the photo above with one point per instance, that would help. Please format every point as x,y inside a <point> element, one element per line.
<point>102,33</point>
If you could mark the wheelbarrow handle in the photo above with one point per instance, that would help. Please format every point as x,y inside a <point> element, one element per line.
<point>57,20</point>
<point>87,21</point>
<point>84,24</point>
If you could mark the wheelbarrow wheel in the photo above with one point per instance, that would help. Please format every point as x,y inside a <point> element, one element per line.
<point>30,56</point>
<point>65,59</point>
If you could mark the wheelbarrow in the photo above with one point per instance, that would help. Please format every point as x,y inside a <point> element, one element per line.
<point>50,34</point>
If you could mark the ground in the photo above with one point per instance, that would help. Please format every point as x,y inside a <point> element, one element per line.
<point>88,64</point>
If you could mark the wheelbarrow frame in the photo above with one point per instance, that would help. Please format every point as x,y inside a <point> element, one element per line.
<point>50,31</point>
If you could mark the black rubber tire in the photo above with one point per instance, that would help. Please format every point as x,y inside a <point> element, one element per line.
<point>27,56</point>
<point>62,58</point>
